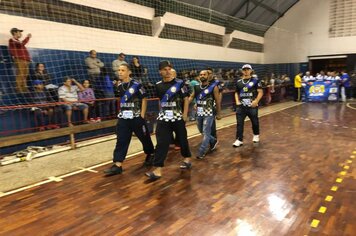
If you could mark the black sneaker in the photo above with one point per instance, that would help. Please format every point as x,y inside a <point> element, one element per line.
<point>149,160</point>
<point>114,170</point>
<point>214,145</point>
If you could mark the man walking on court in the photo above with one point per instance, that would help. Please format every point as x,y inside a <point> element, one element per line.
<point>206,94</point>
<point>248,93</point>
<point>133,105</point>
<point>174,103</point>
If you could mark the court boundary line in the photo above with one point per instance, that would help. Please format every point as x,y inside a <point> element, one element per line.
<point>88,169</point>
<point>351,107</point>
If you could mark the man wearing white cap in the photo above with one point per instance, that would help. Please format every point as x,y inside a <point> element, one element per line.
<point>248,93</point>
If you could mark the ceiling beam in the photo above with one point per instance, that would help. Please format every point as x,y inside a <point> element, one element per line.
<point>239,8</point>
<point>268,8</point>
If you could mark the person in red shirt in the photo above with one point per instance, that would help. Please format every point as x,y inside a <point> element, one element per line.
<point>21,58</point>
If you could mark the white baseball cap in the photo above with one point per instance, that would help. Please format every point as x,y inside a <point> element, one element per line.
<point>247,66</point>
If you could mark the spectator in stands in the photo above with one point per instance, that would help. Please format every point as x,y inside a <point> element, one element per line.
<point>147,84</point>
<point>192,112</point>
<point>94,65</point>
<point>41,96</point>
<point>42,75</point>
<point>137,69</point>
<point>21,57</point>
<point>298,87</point>
<point>272,82</point>
<point>69,93</point>
<point>87,96</point>
<point>105,91</point>
<point>117,63</point>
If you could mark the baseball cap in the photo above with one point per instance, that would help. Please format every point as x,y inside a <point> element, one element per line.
<point>14,30</point>
<point>164,64</point>
<point>247,66</point>
<point>37,82</point>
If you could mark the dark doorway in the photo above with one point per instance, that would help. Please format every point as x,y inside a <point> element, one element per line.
<point>337,64</point>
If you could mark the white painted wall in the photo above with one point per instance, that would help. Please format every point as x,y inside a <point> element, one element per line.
<point>304,31</point>
<point>52,35</point>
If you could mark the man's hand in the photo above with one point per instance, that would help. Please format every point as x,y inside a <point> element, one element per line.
<point>29,35</point>
<point>238,103</point>
<point>254,103</point>
<point>218,117</point>
<point>143,116</point>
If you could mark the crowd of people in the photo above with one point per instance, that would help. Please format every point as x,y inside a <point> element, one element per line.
<point>175,96</point>
<point>96,96</point>
<point>345,82</point>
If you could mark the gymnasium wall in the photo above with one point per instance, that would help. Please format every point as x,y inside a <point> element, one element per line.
<point>304,31</point>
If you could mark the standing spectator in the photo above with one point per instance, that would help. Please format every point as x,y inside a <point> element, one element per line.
<point>69,93</point>
<point>21,57</point>
<point>94,65</point>
<point>345,86</point>
<point>117,63</point>
<point>192,113</point>
<point>308,77</point>
<point>41,96</point>
<point>87,96</point>
<point>298,87</point>
<point>137,69</point>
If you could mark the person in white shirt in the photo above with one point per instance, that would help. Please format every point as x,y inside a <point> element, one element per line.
<point>69,93</point>
<point>321,76</point>
<point>308,77</point>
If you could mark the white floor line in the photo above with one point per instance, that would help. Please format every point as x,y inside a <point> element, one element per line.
<point>351,107</point>
<point>25,187</point>
<point>60,178</point>
<point>89,170</point>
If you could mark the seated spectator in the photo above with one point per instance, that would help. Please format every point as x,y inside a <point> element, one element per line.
<point>41,96</point>
<point>42,75</point>
<point>69,93</point>
<point>88,97</point>
<point>117,63</point>
<point>94,65</point>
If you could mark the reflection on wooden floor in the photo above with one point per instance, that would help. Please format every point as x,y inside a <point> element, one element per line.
<point>274,188</point>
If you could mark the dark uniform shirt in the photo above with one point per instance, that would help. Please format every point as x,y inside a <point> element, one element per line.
<point>132,106</point>
<point>247,90</point>
<point>172,109</point>
<point>205,104</point>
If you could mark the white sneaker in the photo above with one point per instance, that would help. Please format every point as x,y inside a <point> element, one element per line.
<point>237,143</point>
<point>256,138</point>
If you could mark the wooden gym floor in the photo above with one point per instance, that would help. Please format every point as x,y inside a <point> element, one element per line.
<point>300,180</point>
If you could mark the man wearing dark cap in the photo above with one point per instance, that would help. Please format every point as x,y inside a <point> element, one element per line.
<point>174,103</point>
<point>21,58</point>
<point>247,96</point>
